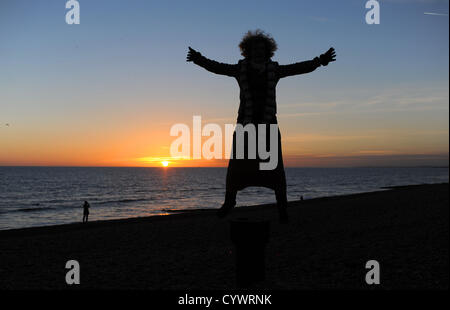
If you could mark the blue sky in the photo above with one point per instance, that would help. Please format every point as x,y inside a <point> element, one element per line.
<point>124,66</point>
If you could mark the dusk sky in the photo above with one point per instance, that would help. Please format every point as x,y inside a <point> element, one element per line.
<point>107,91</point>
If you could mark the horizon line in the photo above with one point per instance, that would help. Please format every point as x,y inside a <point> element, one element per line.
<point>159,167</point>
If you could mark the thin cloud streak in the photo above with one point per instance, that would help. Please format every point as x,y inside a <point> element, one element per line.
<point>435,14</point>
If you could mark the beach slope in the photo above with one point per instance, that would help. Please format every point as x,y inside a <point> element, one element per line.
<point>325,246</point>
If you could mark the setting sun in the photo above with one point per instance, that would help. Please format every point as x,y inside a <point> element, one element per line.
<point>165,163</point>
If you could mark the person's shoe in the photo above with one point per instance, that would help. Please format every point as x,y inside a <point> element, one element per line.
<point>225,210</point>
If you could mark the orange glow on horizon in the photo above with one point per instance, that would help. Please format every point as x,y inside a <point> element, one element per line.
<point>147,144</point>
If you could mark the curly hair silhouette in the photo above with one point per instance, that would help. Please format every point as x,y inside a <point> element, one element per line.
<point>257,36</point>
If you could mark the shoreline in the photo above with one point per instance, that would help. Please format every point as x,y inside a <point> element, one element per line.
<point>325,246</point>
<point>173,212</point>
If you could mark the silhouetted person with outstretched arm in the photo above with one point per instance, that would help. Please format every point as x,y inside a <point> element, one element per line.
<point>257,76</point>
<point>86,207</point>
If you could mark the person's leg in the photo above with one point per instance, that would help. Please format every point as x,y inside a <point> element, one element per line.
<point>281,188</point>
<point>228,205</point>
<point>230,192</point>
<point>282,203</point>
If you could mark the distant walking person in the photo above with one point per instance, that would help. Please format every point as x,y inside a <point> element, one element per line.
<point>86,207</point>
<point>257,76</point>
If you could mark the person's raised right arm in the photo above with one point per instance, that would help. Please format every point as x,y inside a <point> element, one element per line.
<point>211,65</point>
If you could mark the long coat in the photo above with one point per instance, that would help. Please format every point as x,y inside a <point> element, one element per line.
<point>257,106</point>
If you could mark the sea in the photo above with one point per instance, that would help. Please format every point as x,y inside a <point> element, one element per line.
<point>42,196</point>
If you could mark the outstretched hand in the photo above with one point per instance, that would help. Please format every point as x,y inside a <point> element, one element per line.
<point>192,54</point>
<point>328,57</point>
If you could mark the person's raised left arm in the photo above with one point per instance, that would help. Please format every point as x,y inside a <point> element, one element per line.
<point>307,66</point>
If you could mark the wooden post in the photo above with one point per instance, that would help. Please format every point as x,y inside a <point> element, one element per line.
<point>250,238</point>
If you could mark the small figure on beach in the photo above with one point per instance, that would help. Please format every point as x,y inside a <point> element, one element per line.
<point>86,207</point>
<point>257,76</point>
